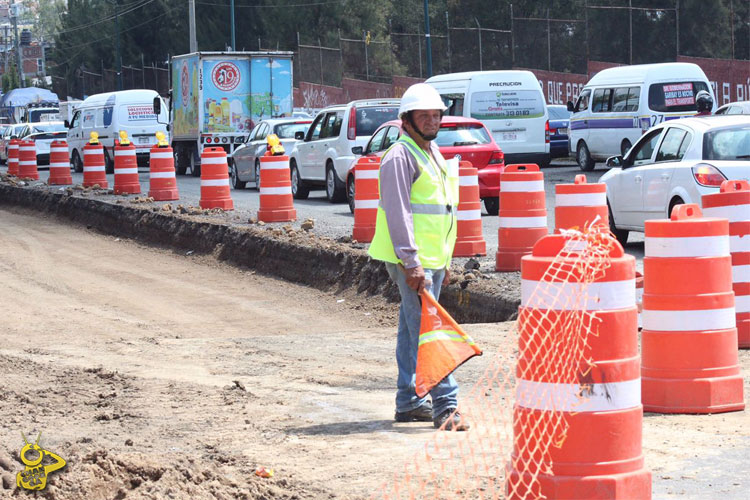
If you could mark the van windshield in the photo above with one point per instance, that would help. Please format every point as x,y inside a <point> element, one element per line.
<point>498,105</point>
<point>674,97</point>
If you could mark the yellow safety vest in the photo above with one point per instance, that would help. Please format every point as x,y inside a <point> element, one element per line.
<point>434,201</point>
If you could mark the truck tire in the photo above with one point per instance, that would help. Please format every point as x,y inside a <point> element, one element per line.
<point>109,164</point>
<point>180,159</point>
<point>77,163</point>
<point>195,167</point>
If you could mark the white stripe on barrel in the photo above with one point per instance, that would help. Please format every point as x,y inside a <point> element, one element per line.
<point>161,155</point>
<point>580,199</point>
<point>162,175</point>
<point>124,152</point>
<point>688,321</point>
<point>119,171</point>
<point>214,182</point>
<point>365,204</point>
<point>600,296</point>
<point>521,186</point>
<point>522,222</point>
<point>579,397</point>
<point>214,160</point>
<point>469,215</point>
<point>366,174</point>
<point>468,180</point>
<point>93,168</point>
<point>689,246</point>
<point>276,190</point>
<point>735,213</point>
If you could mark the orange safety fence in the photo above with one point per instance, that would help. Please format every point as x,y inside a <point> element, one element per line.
<point>491,461</point>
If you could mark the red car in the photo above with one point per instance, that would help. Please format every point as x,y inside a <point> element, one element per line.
<point>465,138</point>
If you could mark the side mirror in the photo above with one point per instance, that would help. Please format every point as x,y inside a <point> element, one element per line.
<point>357,150</point>
<point>571,106</point>
<point>157,106</point>
<point>300,136</point>
<point>615,161</point>
<point>67,124</point>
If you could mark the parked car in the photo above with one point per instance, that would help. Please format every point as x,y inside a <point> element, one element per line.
<point>465,138</point>
<point>14,131</point>
<point>322,157</point>
<point>559,123</point>
<point>734,108</point>
<point>244,162</point>
<point>673,163</point>
<point>43,133</point>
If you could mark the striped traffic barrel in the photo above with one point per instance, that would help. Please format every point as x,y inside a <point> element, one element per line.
<point>215,180</point>
<point>469,238</point>
<point>580,204</point>
<point>93,166</point>
<point>366,198</point>
<point>162,183</point>
<point>13,157</point>
<point>276,203</point>
<point>59,164</point>
<point>27,160</point>
<point>689,337</point>
<point>126,169</point>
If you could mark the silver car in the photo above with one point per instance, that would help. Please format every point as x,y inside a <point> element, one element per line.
<point>244,164</point>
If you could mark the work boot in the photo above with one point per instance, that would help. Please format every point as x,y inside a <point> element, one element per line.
<point>421,413</point>
<point>450,420</point>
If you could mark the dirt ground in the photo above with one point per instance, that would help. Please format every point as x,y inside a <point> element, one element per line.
<point>161,375</point>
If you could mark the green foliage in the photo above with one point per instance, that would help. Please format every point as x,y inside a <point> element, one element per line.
<point>10,79</point>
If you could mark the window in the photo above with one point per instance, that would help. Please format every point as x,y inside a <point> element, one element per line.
<point>261,132</point>
<point>377,141</point>
<point>734,110</point>
<point>601,101</point>
<point>462,135</point>
<point>328,124</point>
<point>620,99</point>
<point>76,120</point>
<point>314,132</point>
<point>454,103</point>
<point>558,113</point>
<point>336,127</point>
<point>369,119</point>
<point>644,149</point>
<point>583,101</point>
<point>391,137</point>
<point>672,97</point>
<point>671,145</point>
<point>287,130</point>
<point>727,144</point>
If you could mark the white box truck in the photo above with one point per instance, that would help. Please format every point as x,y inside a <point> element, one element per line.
<point>217,98</point>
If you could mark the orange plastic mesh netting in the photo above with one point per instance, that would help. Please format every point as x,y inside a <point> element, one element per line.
<point>475,464</point>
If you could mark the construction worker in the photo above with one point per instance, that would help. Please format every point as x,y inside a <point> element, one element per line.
<point>415,233</point>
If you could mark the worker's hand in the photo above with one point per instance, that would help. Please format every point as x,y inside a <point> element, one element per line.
<point>447,277</point>
<point>415,278</point>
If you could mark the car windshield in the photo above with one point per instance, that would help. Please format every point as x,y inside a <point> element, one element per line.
<point>462,135</point>
<point>558,113</point>
<point>727,144</point>
<point>287,130</point>
<point>369,119</point>
<point>53,127</point>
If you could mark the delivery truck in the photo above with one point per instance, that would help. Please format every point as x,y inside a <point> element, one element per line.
<point>218,97</point>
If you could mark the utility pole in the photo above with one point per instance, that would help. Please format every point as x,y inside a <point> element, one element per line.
<point>428,44</point>
<point>19,57</point>
<point>191,15</point>
<point>118,56</point>
<point>231,16</point>
<point>630,15</point>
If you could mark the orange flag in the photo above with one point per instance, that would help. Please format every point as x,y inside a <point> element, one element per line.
<point>443,345</point>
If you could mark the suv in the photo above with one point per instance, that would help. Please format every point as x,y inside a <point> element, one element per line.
<point>322,157</point>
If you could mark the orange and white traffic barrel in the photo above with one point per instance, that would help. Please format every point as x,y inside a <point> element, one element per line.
<point>215,180</point>
<point>162,181</point>
<point>469,238</point>
<point>522,214</point>
<point>579,204</point>
<point>276,204</point>
<point>732,202</point>
<point>59,165</point>
<point>27,160</point>
<point>600,401</point>
<point>689,337</point>
<point>126,169</point>
<point>13,157</point>
<point>93,166</point>
<point>366,198</point>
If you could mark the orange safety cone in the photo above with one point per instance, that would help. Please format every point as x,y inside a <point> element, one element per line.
<point>469,238</point>
<point>580,204</point>
<point>690,362</point>
<point>93,163</point>
<point>276,203</point>
<point>366,198</point>
<point>162,180</point>
<point>599,403</point>
<point>59,165</point>
<point>443,346</point>
<point>126,167</point>
<point>27,161</point>
<point>215,180</point>
<point>732,202</point>
<point>13,157</point>
<point>523,214</point>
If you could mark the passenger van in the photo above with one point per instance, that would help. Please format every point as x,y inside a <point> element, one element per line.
<point>620,104</point>
<point>108,114</point>
<point>509,103</point>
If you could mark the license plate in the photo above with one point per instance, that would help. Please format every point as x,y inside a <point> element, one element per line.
<point>562,131</point>
<point>144,140</point>
<point>510,136</point>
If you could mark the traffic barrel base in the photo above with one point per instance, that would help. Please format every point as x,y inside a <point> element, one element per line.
<point>162,180</point>
<point>689,338</point>
<point>27,168</point>
<point>580,204</point>
<point>366,198</point>
<point>215,180</point>
<point>276,204</point>
<point>93,166</point>
<point>469,238</point>
<point>13,157</point>
<point>59,165</point>
<point>126,170</point>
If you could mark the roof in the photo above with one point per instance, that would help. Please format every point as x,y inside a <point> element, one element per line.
<point>639,73</point>
<point>24,96</point>
<point>703,123</point>
<point>137,95</point>
<point>466,75</point>
<point>277,121</point>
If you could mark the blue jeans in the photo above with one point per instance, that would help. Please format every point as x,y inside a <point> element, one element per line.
<point>445,394</point>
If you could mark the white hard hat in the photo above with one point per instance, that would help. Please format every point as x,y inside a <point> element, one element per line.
<point>420,96</point>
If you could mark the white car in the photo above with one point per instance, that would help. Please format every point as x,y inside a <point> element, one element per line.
<point>675,162</point>
<point>43,133</point>
<point>734,108</point>
<point>322,157</point>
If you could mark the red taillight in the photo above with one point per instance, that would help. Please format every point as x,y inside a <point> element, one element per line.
<point>208,140</point>
<point>497,158</point>
<point>351,132</point>
<point>546,131</point>
<point>553,131</point>
<point>708,175</point>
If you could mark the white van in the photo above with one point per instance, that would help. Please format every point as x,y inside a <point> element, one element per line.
<point>619,104</point>
<point>108,114</point>
<point>510,103</point>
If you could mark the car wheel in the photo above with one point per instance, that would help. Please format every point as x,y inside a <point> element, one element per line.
<point>492,205</point>
<point>109,165</point>
<point>620,234</point>
<point>675,201</point>
<point>585,162</point>
<point>350,192</point>
<point>257,174</point>
<point>299,190</point>
<point>625,147</point>
<point>335,192</point>
<point>195,168</point>
<point>181,160</point>
<point>77,163</point>
<point>236,182</point>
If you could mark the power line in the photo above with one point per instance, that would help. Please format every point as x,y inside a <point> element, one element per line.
<point>137,5</point>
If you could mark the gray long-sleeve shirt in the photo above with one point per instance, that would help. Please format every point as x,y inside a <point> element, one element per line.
<point>398,171</point>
